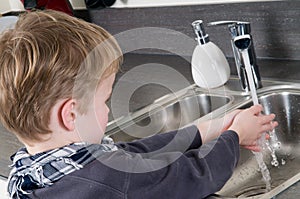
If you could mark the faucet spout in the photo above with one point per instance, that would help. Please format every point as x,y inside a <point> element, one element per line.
<point>238,29</point>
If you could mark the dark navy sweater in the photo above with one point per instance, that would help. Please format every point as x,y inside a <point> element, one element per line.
<point>165,166</point>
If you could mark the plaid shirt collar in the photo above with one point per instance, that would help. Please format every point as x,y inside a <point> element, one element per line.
<point>43,169</point>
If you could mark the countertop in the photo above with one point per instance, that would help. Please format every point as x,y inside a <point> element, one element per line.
<point>175,76</point>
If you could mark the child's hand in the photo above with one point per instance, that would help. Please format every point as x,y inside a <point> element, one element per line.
<point>211,129</point>
<point>250,124</point>
<point>256,147</point>
<point>228,119</point>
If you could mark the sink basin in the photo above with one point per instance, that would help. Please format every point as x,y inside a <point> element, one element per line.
<point>170,116</point>
<point>247,180</point>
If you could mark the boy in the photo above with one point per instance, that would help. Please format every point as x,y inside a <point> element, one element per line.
<point>56,74</point>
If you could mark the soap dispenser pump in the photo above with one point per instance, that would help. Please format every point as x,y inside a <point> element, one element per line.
<point>210,68</point>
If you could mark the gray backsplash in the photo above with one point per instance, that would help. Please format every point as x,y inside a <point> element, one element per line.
<point>275,25</point>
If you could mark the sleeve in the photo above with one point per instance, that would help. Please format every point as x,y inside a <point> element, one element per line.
<point>179,140</point>
<point>196,173</point>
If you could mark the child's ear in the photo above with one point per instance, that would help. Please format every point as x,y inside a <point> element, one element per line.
<point>68,114</point>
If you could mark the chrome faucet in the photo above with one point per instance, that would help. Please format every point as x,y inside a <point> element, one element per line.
<point>240,28</point>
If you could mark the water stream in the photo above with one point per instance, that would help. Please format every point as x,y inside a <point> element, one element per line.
<point>258,155</point>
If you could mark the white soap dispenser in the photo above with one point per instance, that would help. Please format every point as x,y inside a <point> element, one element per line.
<point>210,68</point>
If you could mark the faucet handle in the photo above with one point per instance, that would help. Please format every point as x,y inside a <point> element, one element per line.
<point>229,23</point>
<point>236,28</point>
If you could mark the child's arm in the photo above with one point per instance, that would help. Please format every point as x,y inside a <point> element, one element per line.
<point>196,173</point>
<point>202,171</point>
<point>209,130</point>
<point>178,140</point>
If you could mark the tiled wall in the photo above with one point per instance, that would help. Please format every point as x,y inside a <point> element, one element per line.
<point>275,25</point>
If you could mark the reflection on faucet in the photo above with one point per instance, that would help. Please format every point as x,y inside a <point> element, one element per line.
<point>239,28</point>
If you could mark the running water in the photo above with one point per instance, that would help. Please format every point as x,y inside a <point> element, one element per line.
<point>273,144</point>
<point>258,155</point>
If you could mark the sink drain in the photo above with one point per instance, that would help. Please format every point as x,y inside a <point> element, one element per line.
<point>252,191</point>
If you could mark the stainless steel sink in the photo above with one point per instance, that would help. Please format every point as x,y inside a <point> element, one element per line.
<point>247,179</point>
<point>195,104</point>
<point>166,116</point>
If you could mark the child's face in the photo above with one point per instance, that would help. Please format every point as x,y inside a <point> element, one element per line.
<point>91,125</point>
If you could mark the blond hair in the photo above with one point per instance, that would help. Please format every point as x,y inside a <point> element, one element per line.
<point>50,56</point>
